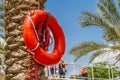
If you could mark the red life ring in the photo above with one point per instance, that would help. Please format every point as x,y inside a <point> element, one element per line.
<point>31,42</point>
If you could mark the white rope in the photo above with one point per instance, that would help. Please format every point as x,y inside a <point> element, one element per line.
<point>35,47</point>
<point>33,27</point>
<point>35,34</point>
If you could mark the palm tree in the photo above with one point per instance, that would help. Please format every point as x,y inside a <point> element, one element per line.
<point>107,18</point>
<point>16,52</point>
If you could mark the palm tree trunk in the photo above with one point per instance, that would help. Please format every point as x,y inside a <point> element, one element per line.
<point>16,52</point>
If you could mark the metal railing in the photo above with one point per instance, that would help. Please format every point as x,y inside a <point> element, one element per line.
<point>73,73</point>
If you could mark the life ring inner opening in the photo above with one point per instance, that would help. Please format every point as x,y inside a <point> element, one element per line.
<point>45,36</point>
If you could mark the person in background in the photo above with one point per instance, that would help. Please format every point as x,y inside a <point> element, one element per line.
<point>84,73</point>
<point>62,69</point>
<point>53,71</point>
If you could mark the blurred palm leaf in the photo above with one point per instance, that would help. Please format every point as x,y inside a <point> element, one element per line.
<point>108,19</point>
<point>96,54</point>
<point>85,48</point>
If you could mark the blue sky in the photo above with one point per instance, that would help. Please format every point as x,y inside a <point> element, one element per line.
<point>67,13</point>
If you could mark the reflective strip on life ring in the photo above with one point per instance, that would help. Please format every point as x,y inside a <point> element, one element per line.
<point>31,41</point>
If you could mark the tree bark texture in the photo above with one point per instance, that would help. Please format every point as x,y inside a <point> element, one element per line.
<point>16,52</point>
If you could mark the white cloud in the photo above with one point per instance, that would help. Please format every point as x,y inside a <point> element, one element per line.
<point>109,57</point>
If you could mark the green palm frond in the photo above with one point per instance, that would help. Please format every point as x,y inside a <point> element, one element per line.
<point>104,50</point>
<point>107,18</point>
<point>96,54</point>
<point>90,19</point>
<point>112,20</point>
<point>85,48</point>
<point>110,6</point>
<point>115,47</point>
<point>108,11</point>
<point>103,64</point>
<point>111,34</point>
